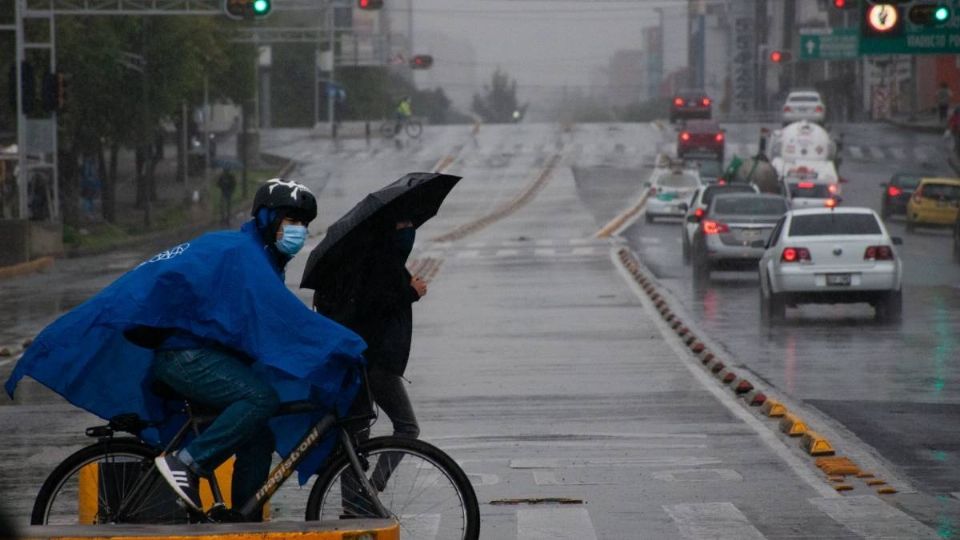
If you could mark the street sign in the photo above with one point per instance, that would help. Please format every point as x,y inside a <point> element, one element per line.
<point>829,43</point>
<point>888,30</point>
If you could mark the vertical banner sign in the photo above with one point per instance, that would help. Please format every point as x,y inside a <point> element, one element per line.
<point>744,58</point>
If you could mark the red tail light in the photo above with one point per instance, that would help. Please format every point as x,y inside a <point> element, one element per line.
<point>894,191</point>
<point>832,188</point>
<point>677,101</point>
<point>684,136</point>
<point>791,255</point>
<point>787,109</point>
<point>818,109</point>
<point>714,227</point>
<point>805,185</point>
<point>719,137</point>
<point>830,203</point>
<point>878,253</point>
<point>699,213</point>
<point>706,102</point>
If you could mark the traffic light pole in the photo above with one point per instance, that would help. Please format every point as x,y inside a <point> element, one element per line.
<point>331,35</point>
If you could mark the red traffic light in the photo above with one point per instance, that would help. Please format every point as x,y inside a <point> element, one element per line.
<point>370,4</point>
<point>421,61</point>
<point>776,57</point>
<point>844,4</point>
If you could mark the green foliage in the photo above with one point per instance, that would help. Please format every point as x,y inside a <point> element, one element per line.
<point>499,102</point>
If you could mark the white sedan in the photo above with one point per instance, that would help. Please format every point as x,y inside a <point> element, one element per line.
<point>829,256</point>
<point>670,192</point>
<point>804,105</point>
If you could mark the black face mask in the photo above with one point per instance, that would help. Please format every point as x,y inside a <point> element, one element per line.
<point>403,241</point>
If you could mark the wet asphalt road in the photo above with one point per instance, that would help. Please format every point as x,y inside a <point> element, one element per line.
<point>893,386</point>
<point>537,367</point>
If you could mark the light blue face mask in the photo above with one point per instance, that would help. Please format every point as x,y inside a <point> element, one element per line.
<point>294,236</point>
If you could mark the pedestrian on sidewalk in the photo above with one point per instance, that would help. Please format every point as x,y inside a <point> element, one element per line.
<point>953,126</point>
<point>944,95</point>
<point>227,182</point>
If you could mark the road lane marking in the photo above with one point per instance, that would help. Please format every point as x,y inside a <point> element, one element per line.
<point>470,254</point>
<point>876,153</point>
<point>732,404</point>
<point>870,517</point>
<point>717,521</point>
<point>507,253</point>
<point>921,154</point>
<point>544,252</point>
<point>582,251</point>
<point>898,153</point>
<point>699,475</point>
<point>549,478</point>
<point>555,524</point>
<point>855,151</point>
<point>569,463</point>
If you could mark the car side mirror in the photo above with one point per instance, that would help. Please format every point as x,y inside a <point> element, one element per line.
<point>897,241</point>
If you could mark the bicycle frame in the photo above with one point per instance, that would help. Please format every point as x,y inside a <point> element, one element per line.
<point>283,470</point>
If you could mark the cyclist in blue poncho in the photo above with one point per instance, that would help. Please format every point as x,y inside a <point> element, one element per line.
<point>213,320</point>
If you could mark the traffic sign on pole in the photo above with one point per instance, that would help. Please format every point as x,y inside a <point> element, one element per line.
<point>829,43</point>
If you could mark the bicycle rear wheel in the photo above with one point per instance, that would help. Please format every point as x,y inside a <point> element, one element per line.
<point>422,488</point>
<point>413,128</point>
<point>89,487</point>
<point>387,130</point>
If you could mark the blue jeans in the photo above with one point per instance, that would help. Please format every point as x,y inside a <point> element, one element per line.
<point>216,379</point>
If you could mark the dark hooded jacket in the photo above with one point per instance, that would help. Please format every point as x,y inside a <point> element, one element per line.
<point>373,298</point>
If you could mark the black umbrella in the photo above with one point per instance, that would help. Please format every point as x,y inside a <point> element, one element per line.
<point>415,197</point>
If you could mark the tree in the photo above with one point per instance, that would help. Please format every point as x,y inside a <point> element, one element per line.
<point>500,101</point>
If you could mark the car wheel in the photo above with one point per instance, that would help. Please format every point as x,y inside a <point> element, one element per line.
<point>776,307</point>
<point>649,218</point>
<point>686,248</point>
<point>889,307</point>
<point>701,271</point>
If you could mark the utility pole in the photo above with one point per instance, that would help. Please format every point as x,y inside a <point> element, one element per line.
<point>331,37</point>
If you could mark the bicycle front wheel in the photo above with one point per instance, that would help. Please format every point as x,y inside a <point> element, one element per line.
<point>423,489</point>
<point>91,486</point>
<point>413,128</point>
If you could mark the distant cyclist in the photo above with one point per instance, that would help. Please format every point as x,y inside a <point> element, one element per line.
<point>403,112</point>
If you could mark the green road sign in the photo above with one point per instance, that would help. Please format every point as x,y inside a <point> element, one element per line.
<point>829,43</point>
<point>910,38</point>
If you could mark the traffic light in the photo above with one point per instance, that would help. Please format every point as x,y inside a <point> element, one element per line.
<point>370,4</point>
<point>844,4</point>
<point>929,14</point>
<point>421,61</point>
<point>54,92</point>
<point>247,9</point>
<point>882,20</point>
<point>780,57</point>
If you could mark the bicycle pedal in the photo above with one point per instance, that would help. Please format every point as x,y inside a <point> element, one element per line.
<point>222,514</point>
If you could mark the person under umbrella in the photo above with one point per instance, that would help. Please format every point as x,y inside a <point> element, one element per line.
<point>370,291</point>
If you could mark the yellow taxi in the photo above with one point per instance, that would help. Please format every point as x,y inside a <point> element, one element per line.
<point>936,201</point>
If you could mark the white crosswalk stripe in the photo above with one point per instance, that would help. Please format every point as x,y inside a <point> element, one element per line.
<point>921,154</point>
<point>855,152</point>
<point>555,524</point>
<point>898,153</point>
<point>876,153</point>
<point>869,517</point>
<point>717,520</point>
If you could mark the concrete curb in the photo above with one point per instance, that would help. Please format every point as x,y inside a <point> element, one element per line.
<point>381,529</point>
<point>810,442</point>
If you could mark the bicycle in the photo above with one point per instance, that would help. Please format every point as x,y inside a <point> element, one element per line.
<point>411,126</point>
<point>407,480</point>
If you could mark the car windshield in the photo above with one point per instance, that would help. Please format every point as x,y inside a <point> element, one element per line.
<point>906,180</point>
<point>713,191</point>
<point>678,180</point>
<point>805,99</point>
<point>750,206</point>
<point>834,224</point>
<point>943,192</point>
<point>710,168</point>
<point>809,190</point>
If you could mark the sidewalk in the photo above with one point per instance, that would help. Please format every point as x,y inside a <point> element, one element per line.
<point>921,123</point>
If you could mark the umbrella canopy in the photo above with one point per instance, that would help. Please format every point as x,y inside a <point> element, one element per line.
<point>415,197</point>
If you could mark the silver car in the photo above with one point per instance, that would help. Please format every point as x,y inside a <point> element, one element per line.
<point>733,232</point>
<point>698,207</point>
<point>824,255</point>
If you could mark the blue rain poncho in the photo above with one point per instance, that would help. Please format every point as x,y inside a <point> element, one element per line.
<point>223,288</point>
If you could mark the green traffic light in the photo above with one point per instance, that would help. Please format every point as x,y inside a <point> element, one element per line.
<point>261,7</point>
<point>941,14</point>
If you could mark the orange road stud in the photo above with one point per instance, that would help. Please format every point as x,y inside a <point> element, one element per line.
<point>707,357</point>
<point>843,487</point>
<point>816,445</point>
<point>729,377</point>
<point>875,482</point>
<point>837,465</point>
<point>773,408</point>
<point>717,367</point>
<point>792,425</point>
<point>887,490</point>
<point>743,386</point>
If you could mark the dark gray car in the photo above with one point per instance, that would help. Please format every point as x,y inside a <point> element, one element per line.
<point>733,232</point>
